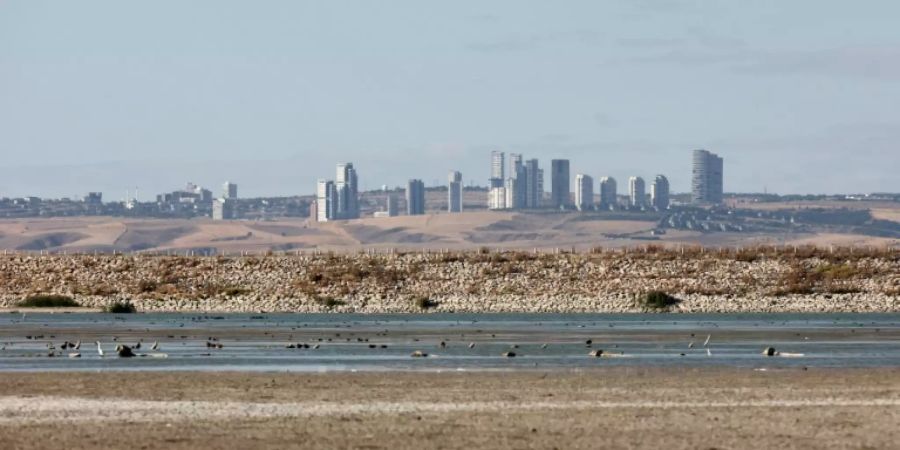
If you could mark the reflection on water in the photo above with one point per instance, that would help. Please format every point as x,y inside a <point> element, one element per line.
<point>471,342</point>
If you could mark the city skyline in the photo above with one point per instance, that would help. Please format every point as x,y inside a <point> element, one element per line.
<point>91,92</point>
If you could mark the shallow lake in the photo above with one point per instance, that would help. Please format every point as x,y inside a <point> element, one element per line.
<point>345,342</point>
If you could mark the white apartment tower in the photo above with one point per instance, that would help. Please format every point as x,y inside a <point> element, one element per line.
<point>497,169</point>
<point>584,192</point>
<point>636,192</point>
<point>455,192</point>
<point>229,190</point>
<point>707,178</point>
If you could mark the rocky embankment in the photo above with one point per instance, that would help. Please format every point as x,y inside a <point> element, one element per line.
<point>750,280</point>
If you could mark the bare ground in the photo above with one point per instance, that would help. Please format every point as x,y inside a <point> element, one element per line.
<point>610,408</point>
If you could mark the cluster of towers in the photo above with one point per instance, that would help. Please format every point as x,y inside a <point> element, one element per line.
<point>338,199</point>
<point>522,189</point>
<point>520,185</point>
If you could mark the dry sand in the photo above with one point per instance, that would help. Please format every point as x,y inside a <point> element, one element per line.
<point>611,408</point>
<point>470,230</point>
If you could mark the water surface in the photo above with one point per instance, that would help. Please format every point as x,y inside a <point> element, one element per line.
<point>257,342</point>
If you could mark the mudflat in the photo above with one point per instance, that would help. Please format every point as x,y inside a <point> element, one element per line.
<point>597,408</point>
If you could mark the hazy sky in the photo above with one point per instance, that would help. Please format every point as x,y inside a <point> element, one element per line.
<point>797,96</point>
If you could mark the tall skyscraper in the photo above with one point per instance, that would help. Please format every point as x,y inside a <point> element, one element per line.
<point>391,205</point>
<point>659,192</point>
<point>345,183</point>
<point>223,209</point>
<point>415,198</point>
<point>559,183</point>
<point>497,198</point>
<point>608,195</point>
<point>534,183</point>
<point>636,191</point>
<point>584,192</point>
<point>455,192</point>
<point>326,200</point>
<point>229,190</point>
<point>497,169</point>
<point>339,199</point>
<point>515,184</point>
<point>707,178</point>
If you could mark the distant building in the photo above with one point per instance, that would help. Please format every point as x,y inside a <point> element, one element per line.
<point>608,195</point>
<point>584,192</point>
<point>534,184</point>
<point>515,184</point>
<point>94,198</point>
<point>636,192</point>
<point>338,199</point>
<point>191,200</point>
<point>223,209</point>
<point>707,178</point>
<point>415,198</point>
<point>659,192</point>
<point>326,200</point>
<point>229,190</point>
<point>497,198</point>
<point>346,185</point>
<point>497,169</point>
<point>559,183</point>
<point>391,205</point>
<point>454,192</point>
<point>511,193</point>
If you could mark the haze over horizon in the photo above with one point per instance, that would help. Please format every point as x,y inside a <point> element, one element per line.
<point>798,97</point>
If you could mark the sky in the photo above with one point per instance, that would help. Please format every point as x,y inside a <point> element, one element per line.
<point>797,97</point>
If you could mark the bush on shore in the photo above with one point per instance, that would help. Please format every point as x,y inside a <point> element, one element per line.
<point>425,302</point>
<point>330,302</point>
<point>120,307</point>
<point>659,300</point>
<point>48,301</point>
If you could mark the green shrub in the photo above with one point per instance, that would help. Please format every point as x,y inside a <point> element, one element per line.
<point>425,302</point>
<point>49,301</point>
<point>120,308</point>
<point>659,300</point>
<point>329,302</point>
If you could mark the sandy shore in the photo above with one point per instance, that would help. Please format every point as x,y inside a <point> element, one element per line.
<point>613,408</point>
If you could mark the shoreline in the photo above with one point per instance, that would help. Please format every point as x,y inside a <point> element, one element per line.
<point>728,281</point>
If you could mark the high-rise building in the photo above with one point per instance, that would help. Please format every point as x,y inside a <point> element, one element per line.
<point>415,198</point>
<point>455,192</point>
<point>636,192</point>
<point>533,186</point>
<point>584,192</point>
<point>515,184</point>
<point>223,209</point>
<point>559,183</point>
<point>326,200</point>
<point>707,178</point>
<point>229,190</point>
<point>497,169</point>
<point>608,195</point>
<point>346,185</point>
<point>497,198</point>
<point>391,205</point>
<point>659,192</point>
